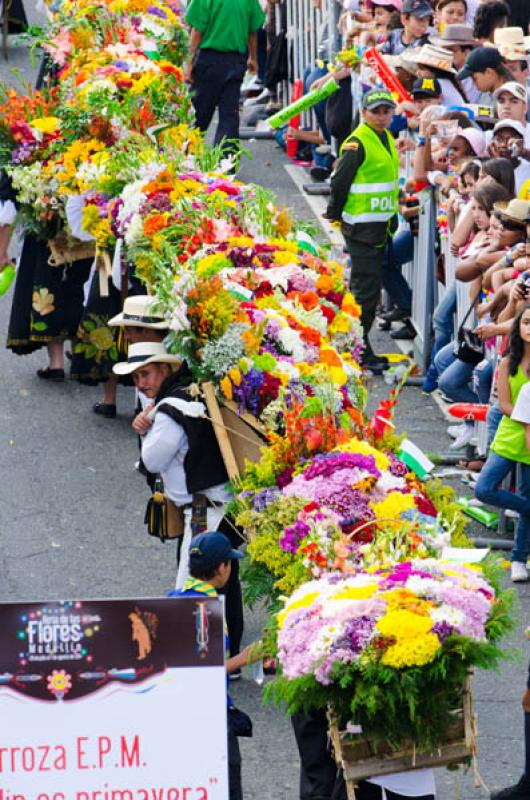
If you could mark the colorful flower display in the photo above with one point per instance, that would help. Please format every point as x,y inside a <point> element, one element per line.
<point>376,625</point>
<point>385,645</point>
<point>353,506</point>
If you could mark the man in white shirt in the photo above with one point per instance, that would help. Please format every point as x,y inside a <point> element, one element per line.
<point>509,142</point>
<point>178,442</point>
<point>512,103</point>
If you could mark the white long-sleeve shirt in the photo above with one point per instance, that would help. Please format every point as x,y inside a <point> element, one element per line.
<point>164,449</point>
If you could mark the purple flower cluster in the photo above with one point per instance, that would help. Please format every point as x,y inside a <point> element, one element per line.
<point>157,12</point>
<point>402,572</point>
<point>293,535</point>
<point>264,498</point>
<point>328,463</point>
<point>159,202</point>
<point>475,606</point>
<point>22,153</point>
<point>397,467</point>
<point>442,630</point>
<point>247,393</point>
<point>358,633</point>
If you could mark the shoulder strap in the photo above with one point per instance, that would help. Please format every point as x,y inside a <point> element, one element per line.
<point>471,307</point>
<point>189,408</point>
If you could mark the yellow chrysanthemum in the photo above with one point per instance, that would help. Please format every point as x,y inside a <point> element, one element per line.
<point>226,387</point>
<point>46,124</point>
<point>412,652</point>
<point>403,624</point>
<point>350,305</point>
<point>304,602</point>
<point>284,257</point>
<point>355,445</point>
<point>235,376</point>
<point>341,323</point>
<point>393,505</point>
<point>356,592</point>
<point>404,600</point>
<point>284,244</point>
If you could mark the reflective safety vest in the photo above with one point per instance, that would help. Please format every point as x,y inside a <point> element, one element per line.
<point>373,195</point>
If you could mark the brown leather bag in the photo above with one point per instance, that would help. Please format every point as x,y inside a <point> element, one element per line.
<point>175,519</point>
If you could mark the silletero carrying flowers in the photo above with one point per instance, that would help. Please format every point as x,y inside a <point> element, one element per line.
<point>390,649</point>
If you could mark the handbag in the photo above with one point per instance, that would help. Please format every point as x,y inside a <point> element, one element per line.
<point>163,518</point>
<point>469,347</point>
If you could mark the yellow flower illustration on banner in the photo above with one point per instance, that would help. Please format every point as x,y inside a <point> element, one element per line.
<point>59,683</point>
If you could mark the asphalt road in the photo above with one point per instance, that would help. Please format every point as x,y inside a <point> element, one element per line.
<point>71,525</point>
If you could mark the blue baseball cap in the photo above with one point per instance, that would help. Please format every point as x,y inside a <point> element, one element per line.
<point>211,548</point>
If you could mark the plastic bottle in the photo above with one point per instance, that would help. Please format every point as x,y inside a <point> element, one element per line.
<point>7,276</point>
<point>257,672</point>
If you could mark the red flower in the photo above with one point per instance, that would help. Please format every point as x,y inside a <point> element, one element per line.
<point>328,313</point>
<point>425,506</point>
<point>263,290</point>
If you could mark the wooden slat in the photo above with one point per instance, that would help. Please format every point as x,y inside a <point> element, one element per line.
<point>223,438</point>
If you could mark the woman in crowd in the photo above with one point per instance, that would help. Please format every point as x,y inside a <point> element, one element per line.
<point>454,375</point>
<point>510,447</point>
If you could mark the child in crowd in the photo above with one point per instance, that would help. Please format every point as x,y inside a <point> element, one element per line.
<point>415,19</point>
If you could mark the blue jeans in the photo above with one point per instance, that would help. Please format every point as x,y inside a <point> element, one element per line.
<point>493,419</point>
<point>312,74</point>
<point>482,379</point>
<point>493,472</point>
<point>399,251</point>
<point>443,324</point>
<point>454,376</point>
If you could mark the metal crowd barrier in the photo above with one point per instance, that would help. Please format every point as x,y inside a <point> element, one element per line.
<point>423,278</point>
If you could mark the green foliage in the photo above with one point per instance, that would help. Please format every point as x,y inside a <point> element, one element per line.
<point>392,705</point>
<point>452,518</point>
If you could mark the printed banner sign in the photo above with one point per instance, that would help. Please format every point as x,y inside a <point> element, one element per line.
<point>113,700</point>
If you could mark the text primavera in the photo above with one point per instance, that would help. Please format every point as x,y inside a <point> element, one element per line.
<point>147,793</point>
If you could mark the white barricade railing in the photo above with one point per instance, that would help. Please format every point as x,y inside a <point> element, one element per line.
<point>423,278</point>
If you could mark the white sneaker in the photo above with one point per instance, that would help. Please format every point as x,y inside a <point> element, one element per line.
<point>454,431</point>
<point>518,572</point>
<point>463,438</point>
<point>511,514</point>
<point>261,99</point>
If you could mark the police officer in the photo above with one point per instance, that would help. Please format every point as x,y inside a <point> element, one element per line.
<point>223,32</point>
<point>364,197</point>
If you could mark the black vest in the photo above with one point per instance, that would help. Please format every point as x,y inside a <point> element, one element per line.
<point>203,463</point>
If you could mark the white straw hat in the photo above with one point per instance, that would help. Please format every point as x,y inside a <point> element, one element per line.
<point>143,353</point>
<point>140,311</point>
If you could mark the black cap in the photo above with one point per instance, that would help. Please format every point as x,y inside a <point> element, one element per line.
<point>479,60</point>
<point>209,549</point>
<point>418,8</point>
<point>428,87</point>
<point>378,97</point>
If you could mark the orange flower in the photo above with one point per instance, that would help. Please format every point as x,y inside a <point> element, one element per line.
<point>330,357</point>
<point>163,183</point>
<point>154,223</point>
<point>308,300</point>
<point>311,336</point>
<point>324,284</point>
